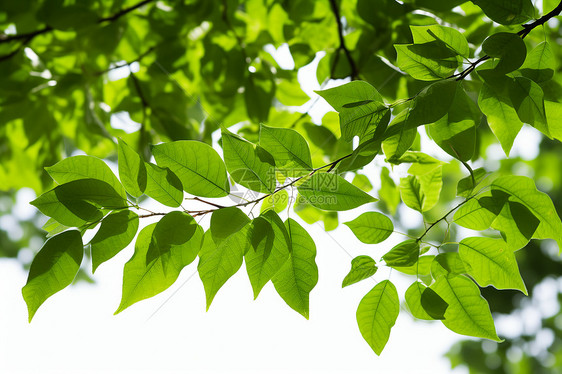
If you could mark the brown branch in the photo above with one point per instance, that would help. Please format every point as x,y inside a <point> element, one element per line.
<point>342,46</point>
<point>122,12</point>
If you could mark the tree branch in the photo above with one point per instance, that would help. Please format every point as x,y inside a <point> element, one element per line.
<point>342,47</point>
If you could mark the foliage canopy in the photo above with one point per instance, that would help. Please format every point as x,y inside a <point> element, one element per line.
<point>446,78</point>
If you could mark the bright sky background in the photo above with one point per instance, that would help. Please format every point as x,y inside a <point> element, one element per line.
<point>75,330</point>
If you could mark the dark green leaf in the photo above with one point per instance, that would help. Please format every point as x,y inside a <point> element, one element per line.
<point>117,230</point>
<point>52,269</point>
<point>163,186</point>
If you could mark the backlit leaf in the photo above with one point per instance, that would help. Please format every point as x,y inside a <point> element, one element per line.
<point>371,227</point>
<point>362,267</point>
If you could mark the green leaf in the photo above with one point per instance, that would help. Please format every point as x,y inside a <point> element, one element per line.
<point>142,280</point>
<point>421,267</point>
<point>250,166</point>
<point>270,250</point>
<point>492,263</point>
<point>362,267</point>
<point>468,312</point>
<point>421,193</point>
<point>389,193</point>
<point>448,36</point>
<point>502,117</point>
<point>466,185</point>
<point>475,214</point>
<point>53,227</point>
<point>377,313</point>
<point>431,104</point>
<point>79,201</point>
<point>117,230</point>
<point>523,190</point>
<point>509,48</point>
<point>540,63</point>
<point>226,222</point>
<point>504,12</point>
<point>421,163</point>
<point>352,92</point>
<point>516,223</point>
<point>371,227</point>
<point>278,202</point>
<point>197,165</point>
<point>363,120</point>
<point>85,167</point>
<point>424,303</point>
<point>455,132</point>
<point>218,262</point>
<point>163,186</point>
<point>554,114</point>
<point>132,170</point>
<point>448,264</point>
<point>299,274</point>
<point>363,182</point>
<point>52,269</point>
<point>528,100</point>
<point>173,231</point>
<point>331,192</point>
<point>403,254</point>
<point>428,61</point>
<point>288,148</point>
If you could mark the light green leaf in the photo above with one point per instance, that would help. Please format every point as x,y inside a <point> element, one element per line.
<point>448,264</point>
<point>132,170</point>
<point>421,193</point>
<point>142,280</point>
<point>270,250</point>
<point>85,167</point>
<point>468,312</point>
<point>288,148</point>
<point>226,222</point>
<point>389,193</point>
<point>117,230</point>
<point>278,202</point>
<point>362,267</point>
<point>250,166</point>
<point>218,262</point>
<point>363,182</point>
<point>173,231</point>
<point>424,303</point>
<point>329,191</point>
<point>516,223</point>
<point>492,263</point>
<point>371,227</point>
<point>476,214</point>
<point>523,190</point>
<point>554,114</point>
<point>53,227</point>
<point>299,274</point>
<point>466,185</point>
<point>52,269</point>
<point>197,165</point>
<point>377,313</point>
<point>509,48</point>
<point>421,163</point>
<point>507,12</point>
<point>426,62</point>
<point>450,37</point>
<point>79,201</point>
<point>163,186</point>
<point>502,117</point>
<point>403,254</point>
<point>421,267</point>
<point>540,63</point>
<point>528,100</point>
<point>349,93</point>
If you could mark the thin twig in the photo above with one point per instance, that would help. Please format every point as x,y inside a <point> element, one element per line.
<point>342,46</point>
